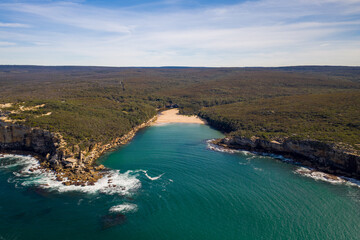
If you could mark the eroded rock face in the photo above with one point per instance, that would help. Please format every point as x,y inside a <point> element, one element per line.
<point>327,157</point>
<point>22,138</point>
<point>71,165</point>
<point>53,151</point>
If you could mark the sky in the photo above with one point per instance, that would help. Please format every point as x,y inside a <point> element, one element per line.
<point>212,33</point>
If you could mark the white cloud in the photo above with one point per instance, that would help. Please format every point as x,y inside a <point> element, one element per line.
<point>13,25</point>
<point>73,14</point>
<point>2,44</point>
<point>265,32</point>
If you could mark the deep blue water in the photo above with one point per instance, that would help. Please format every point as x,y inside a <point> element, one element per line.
<point>171,186</point>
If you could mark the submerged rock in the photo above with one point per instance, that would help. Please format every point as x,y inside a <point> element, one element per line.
<point>100,167</point>
<point>44,212</point>
<point>111,220</point>
<point>38,190</point>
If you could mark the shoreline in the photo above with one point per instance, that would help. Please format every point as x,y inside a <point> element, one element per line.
<point>173,116</point>
<point>83,170</point>
<point>68,169</point>
<point>302,167</point>
<point>312,154</point>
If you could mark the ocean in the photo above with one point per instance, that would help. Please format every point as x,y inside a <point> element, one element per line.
<point>169,182</point>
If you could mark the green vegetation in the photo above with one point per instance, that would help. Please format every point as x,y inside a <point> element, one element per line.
<point>88,104</point>
<point>330,117</point>
<point>83,121</point>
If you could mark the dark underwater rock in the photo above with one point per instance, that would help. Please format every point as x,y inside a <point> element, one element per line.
<point>111,220</point>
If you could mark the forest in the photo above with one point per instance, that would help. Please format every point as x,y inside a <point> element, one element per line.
<point>98,104</point>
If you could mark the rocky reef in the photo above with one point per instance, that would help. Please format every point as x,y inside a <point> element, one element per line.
<point>71,165</point>
<point>327,157</point>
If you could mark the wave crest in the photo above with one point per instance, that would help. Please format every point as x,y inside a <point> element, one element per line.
<point>218,148</point>
<point>123,208</point>
<point>317,175</point>
<point>28,172</point>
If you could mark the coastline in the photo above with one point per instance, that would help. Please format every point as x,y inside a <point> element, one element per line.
<point>326,158</point>
<point>69,165</point>
<point>302,167</point>
<point>75,167</point>
<point>173,116</point>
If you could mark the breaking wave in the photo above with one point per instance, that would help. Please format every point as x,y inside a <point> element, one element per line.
<point>317,175</point>
<point>27,172</point>
<point>123,208</point>
<point>152,178</point>
<point>218,148</point>
<point>145,172</point>
<point>304,171</point>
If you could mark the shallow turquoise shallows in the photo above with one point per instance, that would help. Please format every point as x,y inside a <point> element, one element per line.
<point>174,187</point>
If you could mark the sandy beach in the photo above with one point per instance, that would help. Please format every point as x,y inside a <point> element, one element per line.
<point>173,116</point>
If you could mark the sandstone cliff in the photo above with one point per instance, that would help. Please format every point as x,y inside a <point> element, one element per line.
<point>23,138</point>
<point>326,157</point>
<point>67,162</point>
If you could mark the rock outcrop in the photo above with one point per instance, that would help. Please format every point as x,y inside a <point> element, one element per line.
<point>331,158</point>
<point>22,138</point>
<point>71,165</point>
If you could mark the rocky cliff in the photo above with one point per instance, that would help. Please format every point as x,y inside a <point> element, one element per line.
<point>22,138</point>
<point>330,158</point>
<point>70,164</point>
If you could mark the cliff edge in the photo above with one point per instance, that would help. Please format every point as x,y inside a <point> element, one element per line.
<point>330,158</point>
<point>71,165</point>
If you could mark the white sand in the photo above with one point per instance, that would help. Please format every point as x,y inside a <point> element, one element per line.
<point>173,116</point>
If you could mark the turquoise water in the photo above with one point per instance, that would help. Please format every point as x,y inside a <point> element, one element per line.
<point>171,186</point>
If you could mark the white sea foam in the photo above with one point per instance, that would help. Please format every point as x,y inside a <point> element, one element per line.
<point>352,182</point>
<point>218,148</point>
<point>317,175</point>
<point>146,174</point>
<point>80,201</point>
<point>123,208</point>
<point>258,169</point>
<point>308,172</point>
<point>277,156</point>
<point>160,124</point>
<point>244,163</point>
<point>31,174</point>
<point>8,161</point>
<point>152,178</point>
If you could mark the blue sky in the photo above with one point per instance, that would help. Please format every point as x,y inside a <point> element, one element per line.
<point>210,33</point>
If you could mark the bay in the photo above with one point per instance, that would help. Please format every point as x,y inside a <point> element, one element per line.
<point>175,187</point>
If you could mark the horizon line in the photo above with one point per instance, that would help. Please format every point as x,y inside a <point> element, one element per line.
<point>104,66</point>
